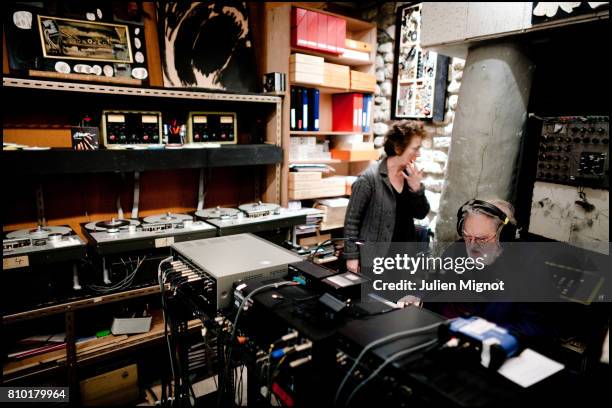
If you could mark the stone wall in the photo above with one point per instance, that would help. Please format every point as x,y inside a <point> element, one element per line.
<point>434,153</point>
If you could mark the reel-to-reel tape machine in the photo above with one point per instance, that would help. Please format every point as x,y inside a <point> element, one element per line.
<point>156,231</point>
<point>261,218</point>
<point>123,253</point>
<point>43,244</point>
<point>28,254</point>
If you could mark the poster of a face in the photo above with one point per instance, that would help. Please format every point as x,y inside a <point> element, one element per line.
<point>206,45</point>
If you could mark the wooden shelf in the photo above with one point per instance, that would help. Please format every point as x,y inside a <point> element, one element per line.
<point>68,161</point>
<point>321,88</point>
<point>97,88</point>
<point>80,304</point>
<point>333,58</point>
<point>315,161</point>
<point>329,90</point>
<point>122,344</point>
<point>324,133</point>
<point>326,161</point>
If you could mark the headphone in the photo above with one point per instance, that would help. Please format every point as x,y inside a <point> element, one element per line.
<point>508,230</point>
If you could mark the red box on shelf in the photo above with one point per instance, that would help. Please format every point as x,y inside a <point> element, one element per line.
<point>322,32</point>
<point>317,31</point>
<point>347,111</point>
<point>299,28</point>
<point>332,29</point>
<point>340,35</point>
<point>312,36</point>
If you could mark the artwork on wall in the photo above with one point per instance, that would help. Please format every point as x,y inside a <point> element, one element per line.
<point>419,76</point>
<point>51,41</point>
<point>547,11</point>
<point>206,45</point>
<point>63,38</point>
<point>555,214</point>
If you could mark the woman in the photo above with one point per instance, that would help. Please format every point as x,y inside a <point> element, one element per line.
<point>388,195</point>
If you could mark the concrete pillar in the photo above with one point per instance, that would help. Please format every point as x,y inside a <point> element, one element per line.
<point>489,121</point>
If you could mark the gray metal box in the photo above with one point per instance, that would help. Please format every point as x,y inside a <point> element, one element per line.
<point>235,257</point>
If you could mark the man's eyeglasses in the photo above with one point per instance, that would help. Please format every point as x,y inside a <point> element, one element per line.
<point>478,239</point>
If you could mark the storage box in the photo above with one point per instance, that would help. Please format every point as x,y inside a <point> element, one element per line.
<point>306,59</point>
<point>361,81</point>
<point>356,55</point>
<point>312,241</point>
<point>304,176</point>
<point>357,45</point>
<point>349,184</point>
<point>316,193</point>
<point>334,211</point>
<point>317,31</point>
<point>322,183</point>
<point>336,76</point>
<point>355,155</point>
<point>306,69</point>
<point>132,325</point>
<point>117,387</point>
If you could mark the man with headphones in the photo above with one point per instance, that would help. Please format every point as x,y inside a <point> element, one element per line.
<point>484,225</point>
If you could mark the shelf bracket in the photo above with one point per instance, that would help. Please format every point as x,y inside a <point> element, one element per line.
<point>40,206</point>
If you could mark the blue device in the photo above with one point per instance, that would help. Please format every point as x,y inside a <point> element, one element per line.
<point>496,342</point>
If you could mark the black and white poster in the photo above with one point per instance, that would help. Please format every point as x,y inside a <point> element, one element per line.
<point>206,45</point>
<point>77,38</point>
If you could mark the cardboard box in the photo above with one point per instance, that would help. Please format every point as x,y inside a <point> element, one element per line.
<point>308,79</point>
<point>306,59</point>
<point>314,240</point>
<point>305,176</point>
<point>355,155</point>
<point>361,81</point>
<point>357,45</point>
<point>323,183</point>
<point>334,213</point>
<point>356,55</point>
<point>336,76</point>
<point>117,387</point>
<point>306,69</point>
<point>316,193</point>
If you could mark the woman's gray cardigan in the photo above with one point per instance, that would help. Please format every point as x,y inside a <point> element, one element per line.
<point>370,215</point>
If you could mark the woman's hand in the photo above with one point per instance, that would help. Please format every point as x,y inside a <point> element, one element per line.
<point>414,178</point>
<point>352,265</point>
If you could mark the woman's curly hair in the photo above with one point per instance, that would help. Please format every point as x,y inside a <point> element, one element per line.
<point>400,135</point>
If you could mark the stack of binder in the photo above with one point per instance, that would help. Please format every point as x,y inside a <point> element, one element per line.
<point>304,109</point>
<point>351,112</point>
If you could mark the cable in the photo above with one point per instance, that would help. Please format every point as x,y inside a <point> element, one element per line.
<point>235,324</point>
<point>376,343</point>
<point>162,290</point>
<point>390,359</point>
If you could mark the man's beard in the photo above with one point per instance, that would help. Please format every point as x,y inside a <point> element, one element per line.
<point>488,253</point>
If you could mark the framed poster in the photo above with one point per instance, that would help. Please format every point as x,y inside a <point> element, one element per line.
<point>206,45</point>
<point>64,38</point>
<point>419,76</point>
<point>77,41</point>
